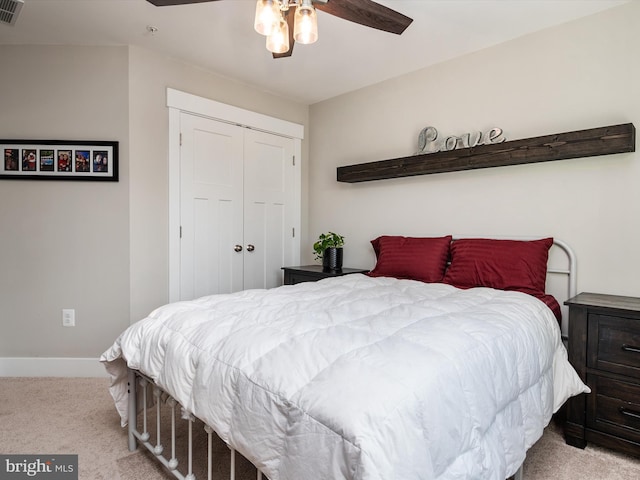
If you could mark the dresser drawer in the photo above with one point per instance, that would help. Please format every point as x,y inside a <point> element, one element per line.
<point>614,344</point>
<point>614,407</point>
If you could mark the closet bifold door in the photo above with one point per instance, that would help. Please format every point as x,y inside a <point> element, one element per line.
<point>268,207</point>
<point>211,207</point>
<point>237,205</point>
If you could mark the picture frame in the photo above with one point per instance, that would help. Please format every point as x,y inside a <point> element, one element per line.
<point>59,160</point>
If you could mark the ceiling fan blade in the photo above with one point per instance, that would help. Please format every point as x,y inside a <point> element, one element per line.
<point>166,3</point>
<point>290,17</point>
<point>368,13</point>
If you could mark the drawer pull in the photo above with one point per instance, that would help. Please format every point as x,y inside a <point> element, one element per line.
<point>629,413</point>
<point>630,348</point>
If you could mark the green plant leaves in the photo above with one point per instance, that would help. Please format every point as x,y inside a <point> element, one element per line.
<point>327,240</point>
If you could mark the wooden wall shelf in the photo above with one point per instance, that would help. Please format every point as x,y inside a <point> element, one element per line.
<point>560,146</point>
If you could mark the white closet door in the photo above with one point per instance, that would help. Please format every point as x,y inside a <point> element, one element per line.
<point>268,207</point>
<point>208,196</point>
<point>211,207</point>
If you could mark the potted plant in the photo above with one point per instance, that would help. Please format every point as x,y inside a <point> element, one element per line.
<point>329,249</point>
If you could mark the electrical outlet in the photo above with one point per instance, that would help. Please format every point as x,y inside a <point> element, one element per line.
<point>68,317</point>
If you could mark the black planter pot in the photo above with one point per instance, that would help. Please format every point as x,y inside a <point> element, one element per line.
<point>332,259</point>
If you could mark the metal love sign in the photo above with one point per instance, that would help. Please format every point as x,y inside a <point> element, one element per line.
<point>428,141</point>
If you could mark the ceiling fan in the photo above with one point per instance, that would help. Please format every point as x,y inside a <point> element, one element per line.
<point>286,21</point>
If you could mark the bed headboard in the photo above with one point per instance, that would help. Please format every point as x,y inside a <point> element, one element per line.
<point>561,271</point>
<point>562,282</point>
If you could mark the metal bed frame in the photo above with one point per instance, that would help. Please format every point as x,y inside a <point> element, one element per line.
<point>138,384</point>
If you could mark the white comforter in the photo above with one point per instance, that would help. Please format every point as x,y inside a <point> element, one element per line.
<point>359,378</point>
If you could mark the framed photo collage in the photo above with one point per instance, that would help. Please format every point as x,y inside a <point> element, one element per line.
<point>59,160</point>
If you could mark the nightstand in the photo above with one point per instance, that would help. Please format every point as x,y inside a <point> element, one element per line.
<point>313,273</point>
<point>604,348</point>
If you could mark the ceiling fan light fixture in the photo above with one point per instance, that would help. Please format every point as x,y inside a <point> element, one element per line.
<point>267,16</point>
<point>305,29</point>
<point>278,41</point>
<point>302,21</point>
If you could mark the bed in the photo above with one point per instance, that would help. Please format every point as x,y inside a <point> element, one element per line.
<point>444,362</point>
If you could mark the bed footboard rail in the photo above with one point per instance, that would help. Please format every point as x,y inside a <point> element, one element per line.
<point>139,403</point>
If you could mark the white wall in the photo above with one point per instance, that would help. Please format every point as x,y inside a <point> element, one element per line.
<point>583,74</point>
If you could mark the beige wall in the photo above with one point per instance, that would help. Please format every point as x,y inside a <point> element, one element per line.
<point>63,244</point>
<point>100,248</point>
<point>580,75</point>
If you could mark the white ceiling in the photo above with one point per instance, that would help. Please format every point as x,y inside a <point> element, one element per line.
<point>219,36</point>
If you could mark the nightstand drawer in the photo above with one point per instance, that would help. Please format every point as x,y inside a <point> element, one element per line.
<point>614,407</point>
<point>299,277</point>
<point>604,348</point>
<point>614,344</point>
<point>313,273</point>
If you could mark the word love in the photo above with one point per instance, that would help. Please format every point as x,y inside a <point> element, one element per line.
<point>428,141</point>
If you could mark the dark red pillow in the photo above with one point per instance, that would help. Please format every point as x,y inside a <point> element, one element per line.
<point>503,264</point>
<point>553,304</point>
<point>412,258</point>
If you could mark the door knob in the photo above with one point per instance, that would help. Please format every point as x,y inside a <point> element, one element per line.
<point>250,248</point>
<point>238,248</point>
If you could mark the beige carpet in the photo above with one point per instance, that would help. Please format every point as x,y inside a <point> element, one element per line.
<point>77,416</point>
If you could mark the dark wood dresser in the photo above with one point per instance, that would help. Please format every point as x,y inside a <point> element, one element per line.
<point>313,273</point>
<point>604,348</point>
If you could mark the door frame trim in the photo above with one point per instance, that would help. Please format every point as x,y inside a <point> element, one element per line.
<point>179,102</point>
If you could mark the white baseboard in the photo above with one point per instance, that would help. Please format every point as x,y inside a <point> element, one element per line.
<point>51,367</point>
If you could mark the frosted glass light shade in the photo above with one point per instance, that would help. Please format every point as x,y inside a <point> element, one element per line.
<point>278,41</point>
<point>267,16</point>
<point>305,29</point>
